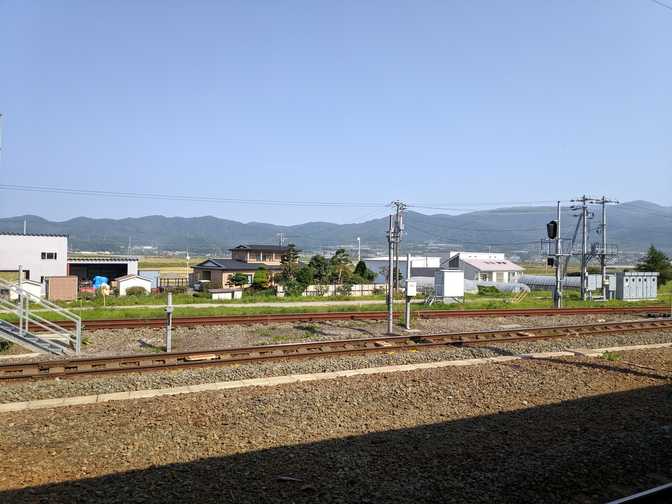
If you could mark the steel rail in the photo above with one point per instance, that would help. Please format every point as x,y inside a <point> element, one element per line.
<point>94,325</point>
<point>179,360</point>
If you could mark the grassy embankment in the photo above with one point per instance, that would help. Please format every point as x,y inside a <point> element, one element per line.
<point>537,299</point>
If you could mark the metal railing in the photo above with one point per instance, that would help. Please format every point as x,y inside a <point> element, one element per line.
<point>21,308</point>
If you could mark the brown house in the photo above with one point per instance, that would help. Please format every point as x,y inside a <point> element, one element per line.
<point>245,259</point>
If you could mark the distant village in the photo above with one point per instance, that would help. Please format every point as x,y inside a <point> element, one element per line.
<point>44,266</point>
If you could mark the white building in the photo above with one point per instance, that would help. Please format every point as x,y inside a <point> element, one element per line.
<point>34,288</point>
<point>40,255</point>
<point>126,282</point>
<point>484,266</point>
<point>422,264</point>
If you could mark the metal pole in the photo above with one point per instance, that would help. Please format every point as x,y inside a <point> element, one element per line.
<point>603,256</point>
<point>407,314</point>
<point>169,322</point>
<point>20,304</point>
<point>396,250</point>
<point>558,272</point>
<point>390,292</point>
<point>359,249</point>
<point>584,250</point>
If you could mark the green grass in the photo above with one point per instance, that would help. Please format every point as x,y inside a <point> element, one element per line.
<point>536,299</point>
<point>612,356</point>
<point>187,299</point>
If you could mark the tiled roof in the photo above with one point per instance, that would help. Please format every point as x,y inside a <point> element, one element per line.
<point>127,277</point>
<point>234,265</point>
<point>101,259</point>
<point>492,264</point>
<point>263,248</point>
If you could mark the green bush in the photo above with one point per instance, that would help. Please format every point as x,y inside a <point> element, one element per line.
<point>260,279</point>
<point>136,291</point>
<point>344,290</point>
<point>487,290</point>
<point>87,296</point>
<point>5,345</point>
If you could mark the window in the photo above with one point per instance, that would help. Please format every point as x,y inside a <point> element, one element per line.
<point>483,276</point>
<point>49,255</point>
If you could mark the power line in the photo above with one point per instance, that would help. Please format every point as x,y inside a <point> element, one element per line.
<point>658,2</point>
<point>186,197</point>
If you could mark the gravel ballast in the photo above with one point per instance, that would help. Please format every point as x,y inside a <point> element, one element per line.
<point>555,431</point>
<point>49,389</point>
<point>142,340</point>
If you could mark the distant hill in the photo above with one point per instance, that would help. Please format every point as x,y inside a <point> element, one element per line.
<point>633,226</point>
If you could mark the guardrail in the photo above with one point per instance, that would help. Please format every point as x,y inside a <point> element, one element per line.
<point>21,308</point>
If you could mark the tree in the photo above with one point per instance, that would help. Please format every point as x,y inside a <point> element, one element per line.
<point>260,280</point>
<point>290,263</point>
<point>237,279</point>
<point>305,276</point>
<point>340,265</point>
<point>655,260</point>
<point>320,267</point>
<point>364,273</point>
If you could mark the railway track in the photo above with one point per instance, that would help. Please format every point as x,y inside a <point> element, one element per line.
<point>227,356</point>
<point>94,325</point>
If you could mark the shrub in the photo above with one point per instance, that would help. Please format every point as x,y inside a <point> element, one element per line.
<point>237,280</point>
<point>175,289</point>
<point>321,289</point>
<point>136,291</point>
<point>260,279</point>
<point>487,290</point>
<point>87,296</point>
<point>5,345</point>
<point>344,290</point>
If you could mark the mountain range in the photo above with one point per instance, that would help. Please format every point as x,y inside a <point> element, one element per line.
<point>632,226</point>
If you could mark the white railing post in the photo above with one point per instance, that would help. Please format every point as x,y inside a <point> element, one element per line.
<point>78,335</point>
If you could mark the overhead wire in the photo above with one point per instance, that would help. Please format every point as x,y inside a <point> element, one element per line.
<point>187,197</point>
<point>658,2</point>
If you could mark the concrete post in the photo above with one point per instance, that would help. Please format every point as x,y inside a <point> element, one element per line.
<point>169,322</point>
<point>407,314</point>
<point>390,283</point>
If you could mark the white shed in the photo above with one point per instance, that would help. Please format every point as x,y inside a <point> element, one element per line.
<point>226,293</point>
<point>35,288</point>
<point>126,282</point>
<point>449,285</point>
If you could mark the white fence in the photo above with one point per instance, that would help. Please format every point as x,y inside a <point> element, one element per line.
<point>340,290</point>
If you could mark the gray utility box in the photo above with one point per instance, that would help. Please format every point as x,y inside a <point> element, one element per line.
<point>636,285</point>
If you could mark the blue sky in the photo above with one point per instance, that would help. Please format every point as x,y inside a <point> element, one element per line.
<point>446,103</point>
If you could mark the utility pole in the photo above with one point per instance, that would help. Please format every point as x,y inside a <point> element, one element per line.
<point>584,241</point>
<point>603,253</point>
<point>398,230</point>
<point>359,249</point>
<point>281,238</point>
<point>390,283</point>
